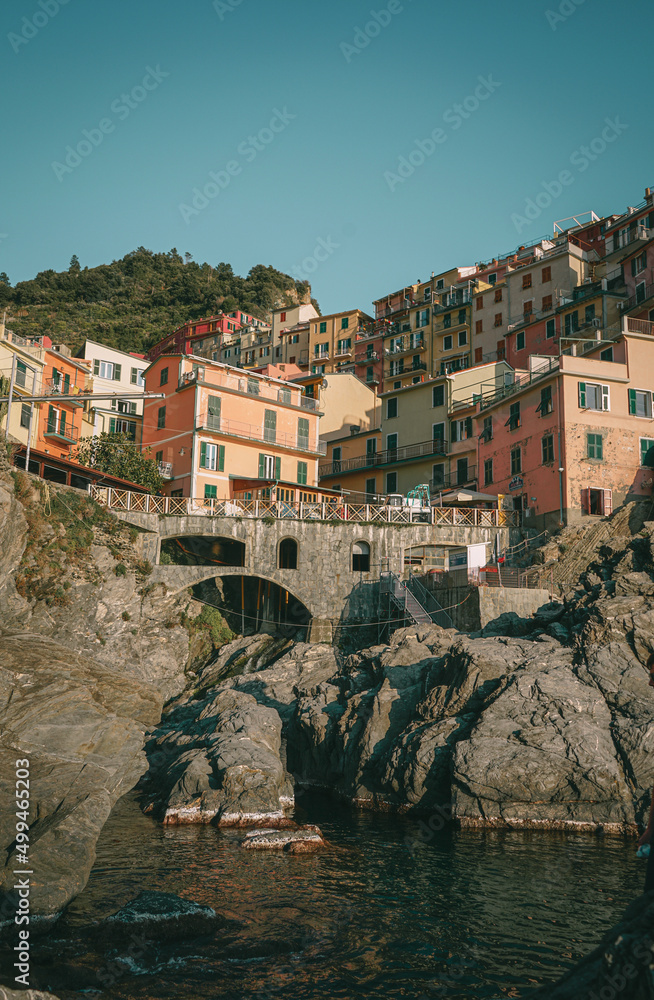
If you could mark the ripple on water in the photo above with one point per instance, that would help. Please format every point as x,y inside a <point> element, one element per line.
<point>468,914</point>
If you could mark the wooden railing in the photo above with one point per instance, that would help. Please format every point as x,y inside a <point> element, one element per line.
<point>146,503</point>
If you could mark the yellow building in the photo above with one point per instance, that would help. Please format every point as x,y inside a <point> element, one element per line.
<point>331,340</point>
<point>25,358</point>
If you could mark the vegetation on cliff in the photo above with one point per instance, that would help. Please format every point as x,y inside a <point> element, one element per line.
<point>117,455</point>
<point>133,302</point>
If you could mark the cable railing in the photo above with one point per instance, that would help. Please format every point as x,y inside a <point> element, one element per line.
<point>254,432</point>
<point>326,510</point>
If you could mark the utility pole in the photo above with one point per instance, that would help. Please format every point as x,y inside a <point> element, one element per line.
<point>11,395</point>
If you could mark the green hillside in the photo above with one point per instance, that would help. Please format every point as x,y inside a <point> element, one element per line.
<point>133,302</point>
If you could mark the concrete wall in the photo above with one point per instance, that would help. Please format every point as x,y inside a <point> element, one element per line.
<point>496,601</point>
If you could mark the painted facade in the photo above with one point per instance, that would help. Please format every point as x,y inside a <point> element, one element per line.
<point>112,371</point>
<point>60,422</point>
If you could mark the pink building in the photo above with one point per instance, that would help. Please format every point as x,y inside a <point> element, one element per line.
<point>573,435</point>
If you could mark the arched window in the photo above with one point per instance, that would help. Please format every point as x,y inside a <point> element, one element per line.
<point>361,557</point>
<point>288,554</point>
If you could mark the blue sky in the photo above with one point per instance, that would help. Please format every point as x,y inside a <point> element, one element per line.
<point>349,94</point>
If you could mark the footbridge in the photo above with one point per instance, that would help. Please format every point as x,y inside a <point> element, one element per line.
<point>321,554</point>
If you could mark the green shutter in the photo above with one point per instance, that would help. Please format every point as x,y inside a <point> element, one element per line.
<point>203,454</point>
<point>221,457</point>
<point>96,366</point>
<point>66,384</point>
<point>278,468</point>
<point>582,394</point>
<point>117,371</point>
<point>112,425</point>
<point>453,431</point>
<point>632,400</point>
<point>262,466</point>
<point>469,427</point>
<point>598,447</point>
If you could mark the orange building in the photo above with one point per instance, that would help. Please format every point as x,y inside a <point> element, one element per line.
<point>60,421</point>
<point>217,424</point>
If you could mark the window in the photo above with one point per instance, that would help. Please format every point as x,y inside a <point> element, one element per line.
<point>448,342</point>
<point>526,281</point>
<point>25,413</point>
<point>527,308</point>
<point>438,474</point>
<point>461,471</point>
<point>640,403</point>
<point>282,317</point>
<point>253,387</point>
<point>371,488</point>
<point>479,326</point>
<point>571,322</point>
<point>438,433</point>
<point>589,313</point>
<point>546,275</point>
<point>123,406</point>
<point>594,446</point>
<point>427,295</point>
<point>498,295</point>
<point>210,492</point>
<point>480,302</point>
<point>547,448</point>
<point>270,467</point>
<point>302,473</point>
<point>492,278</point>
<point>318,369</point>
<point>640,292</point>
<point>546,304</point>
<point>461,430</point>
<point>371,447</point>
<point>487,433</point>
<point>488,471</point>
<point>370,374</point>
<point>391,408</point>
<point>284,395</point>
<point>545,406</point>
<point>287,554</point>
<point>212,456</point>
<point>344,345</point>
<point>514,417</point>
<point>550,329</point>
<point>440,283</point>
<point>447,320</point>
<point>161,417</point>
<point>438,395</point>
<point>336,459</point>
<point>391,482</point>
<point>479,355</point>
<point>321,350</point>
<point>520,341</point>
<point>516,461</point>
<point>391,443</point>
<point>303,433</point>
<point>593,396</point>
<point>463,338</point>
<point>116,426</point>
<point>213,413</point>
<point>345,322</point>
<point>136,377</point>
<point>501,350</point>
<point>106,369</point>
<point>361,556</point>
<point>158,457</point>
<point>270,426</point>
<point>462,315</point>
<point>639,263</point>
<point>647,452</point>
<point>498,319</point>
<point>163,376</point>
<point>606,354</point>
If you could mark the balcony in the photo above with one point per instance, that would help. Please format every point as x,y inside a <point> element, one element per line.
<point>412,369</point>
<point>389,457</point>
<point>323,356</point>
<point>521,382</point>
<point>404,348</point>
<point>366,359</point>
<point>646,293</point>
<point>59,430</point>
<point>380,328</point>
<point>620,241</point>
<point>639,326</point>
<point>253,432</point>
<point>450,300</point>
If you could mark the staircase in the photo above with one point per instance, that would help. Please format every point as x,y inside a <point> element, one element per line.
<point>416,602</point>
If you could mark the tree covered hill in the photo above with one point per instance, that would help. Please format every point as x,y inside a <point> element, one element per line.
<point>132,303</point>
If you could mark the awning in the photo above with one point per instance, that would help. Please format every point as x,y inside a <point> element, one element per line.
<point>464,496</point>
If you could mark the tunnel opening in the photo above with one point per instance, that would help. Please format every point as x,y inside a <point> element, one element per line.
<point>251,605</point>
<point>198,550</point>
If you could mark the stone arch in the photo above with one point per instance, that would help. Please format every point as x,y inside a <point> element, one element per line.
<point>288,551</point>
<point>360,556</point>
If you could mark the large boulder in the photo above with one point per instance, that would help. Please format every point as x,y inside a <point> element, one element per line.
<point>81,727</point>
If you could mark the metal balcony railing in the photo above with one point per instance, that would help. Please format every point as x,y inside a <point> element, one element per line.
<point>643,293</point>
<point>61,430</point>
<point>621,240</point>
<point>390,456</point>
<point>401,369</point>
<point>450,480</point>
<point>165,470</point>
<point>254,432</point>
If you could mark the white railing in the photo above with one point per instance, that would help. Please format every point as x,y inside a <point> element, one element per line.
<point>145,503</point>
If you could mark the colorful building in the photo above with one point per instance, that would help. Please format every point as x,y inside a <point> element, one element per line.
<point>332,339</point>
<point>205,336</point>
<point>60,422</point>
<point>217,423</point>
<point>114,371</point>
<point>24,358</point>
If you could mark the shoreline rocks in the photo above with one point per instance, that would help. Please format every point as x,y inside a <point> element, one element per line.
<point>292,840</point>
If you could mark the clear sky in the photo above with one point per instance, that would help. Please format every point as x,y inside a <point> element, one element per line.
<point>334,97</point>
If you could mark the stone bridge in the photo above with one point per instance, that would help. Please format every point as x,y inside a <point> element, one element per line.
<point>326,573</point>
